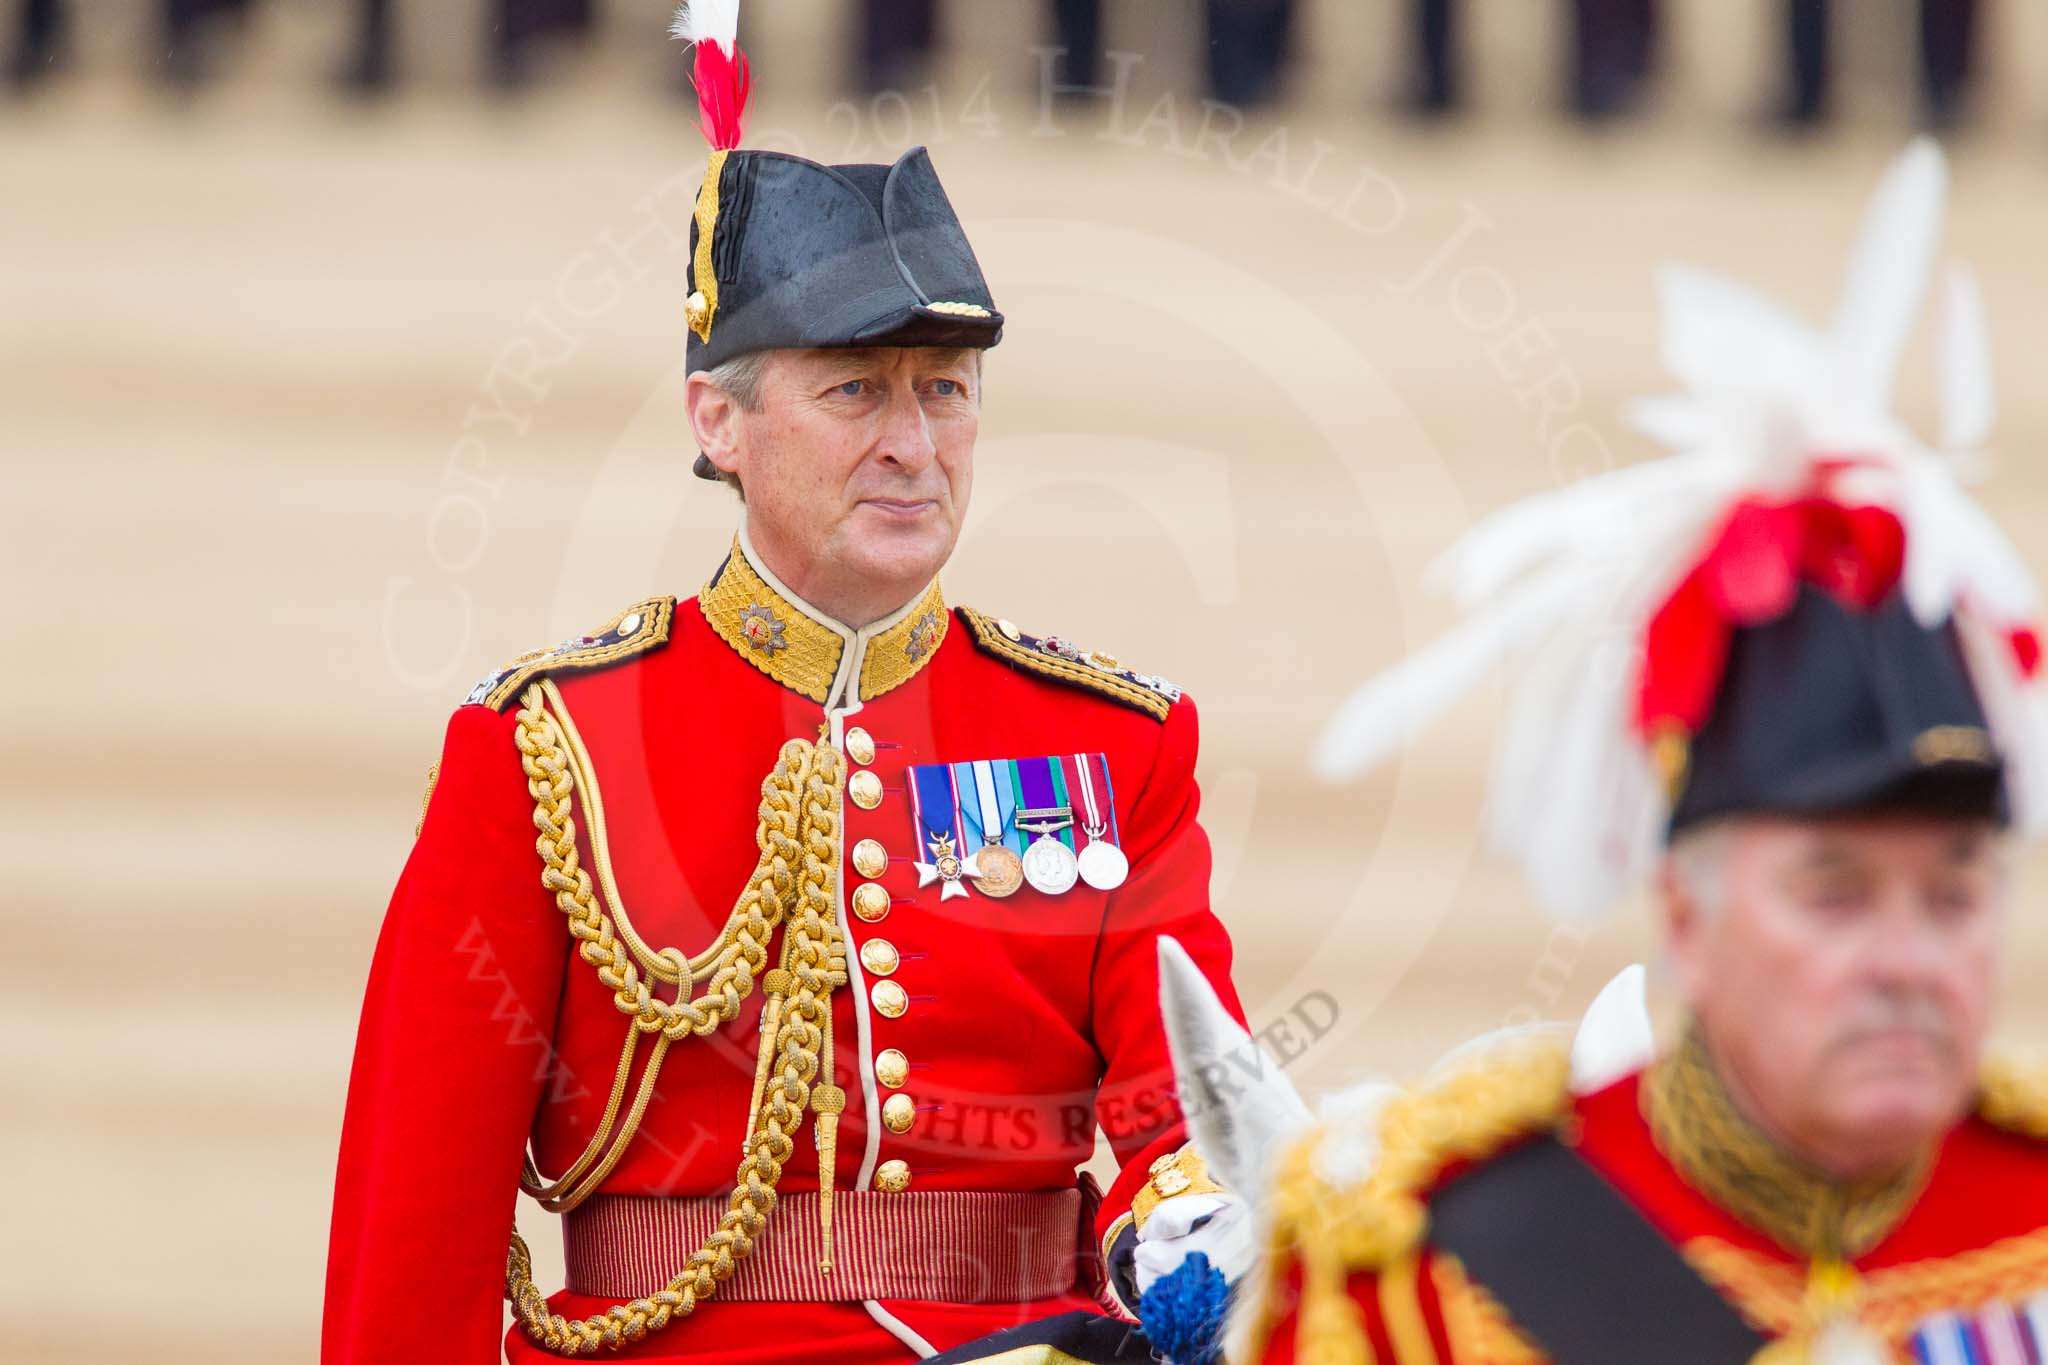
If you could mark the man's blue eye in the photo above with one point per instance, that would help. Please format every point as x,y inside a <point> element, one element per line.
<point>852,387</point>
<point>947,388</point>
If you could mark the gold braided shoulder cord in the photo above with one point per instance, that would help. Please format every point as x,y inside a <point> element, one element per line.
<point>793,886</point>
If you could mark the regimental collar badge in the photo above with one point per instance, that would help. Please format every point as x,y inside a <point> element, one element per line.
<point>762,629</point>
<point>803,649</point>
<point>924,636</point>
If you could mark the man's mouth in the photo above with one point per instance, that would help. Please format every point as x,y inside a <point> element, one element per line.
<point>900,507</point>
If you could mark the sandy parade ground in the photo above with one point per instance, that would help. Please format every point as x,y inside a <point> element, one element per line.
<point>312,414</point>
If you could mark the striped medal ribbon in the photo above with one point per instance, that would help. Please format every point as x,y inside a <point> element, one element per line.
<point>1102,863</point>
<point>935,806</point>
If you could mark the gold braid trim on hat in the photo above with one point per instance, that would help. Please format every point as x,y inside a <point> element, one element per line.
<point>1378,1226</point>
<point>793,886</point>
<point>702,305</point>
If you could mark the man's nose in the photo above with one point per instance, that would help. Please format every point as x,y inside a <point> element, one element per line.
<point>906,438</point>
<point>1904,948</point>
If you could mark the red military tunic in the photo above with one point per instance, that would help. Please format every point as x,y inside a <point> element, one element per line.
<point>1949,1263</point>
<point>998,1033</point>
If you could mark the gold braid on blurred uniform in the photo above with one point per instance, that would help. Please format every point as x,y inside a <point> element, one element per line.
<point>1379,1226</point>
<point>793,887</point>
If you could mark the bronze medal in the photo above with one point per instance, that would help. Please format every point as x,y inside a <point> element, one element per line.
<point>1002,872</point>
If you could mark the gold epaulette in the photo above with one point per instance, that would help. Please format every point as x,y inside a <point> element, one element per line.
<point>1064,661</point>
<point>1378,1225</point>
<point>2013,1094</point>
<point>639,629</point>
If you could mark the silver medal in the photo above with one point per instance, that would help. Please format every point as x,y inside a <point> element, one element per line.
<point>1103,865</point>
<point>1049,866</point>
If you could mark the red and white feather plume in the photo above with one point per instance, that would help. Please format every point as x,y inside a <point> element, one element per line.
<point>720,72</point>
<point>1616,598</point>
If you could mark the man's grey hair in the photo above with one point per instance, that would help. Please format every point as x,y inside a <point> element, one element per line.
<point>1699,864</point>
<point>741,378</point>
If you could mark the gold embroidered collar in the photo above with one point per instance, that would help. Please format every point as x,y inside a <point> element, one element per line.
<point>1724,1156</point>
<point>807,651</point>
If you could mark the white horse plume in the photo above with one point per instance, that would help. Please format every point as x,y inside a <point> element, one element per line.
<point>1566,583</point>
<point>1243,1113</point>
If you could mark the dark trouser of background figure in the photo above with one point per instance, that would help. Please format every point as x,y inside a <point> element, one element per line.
<point>897,42</point>
<point>1248,42</point>
<point>40,30</point>
<point>1948,30</point>
<point>1613,52</point>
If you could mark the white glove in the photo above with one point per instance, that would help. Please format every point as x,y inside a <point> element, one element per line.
<point>1170,1236</point>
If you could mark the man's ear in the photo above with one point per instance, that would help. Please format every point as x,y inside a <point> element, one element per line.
<point>714,420</point>
<point>1682,922</point>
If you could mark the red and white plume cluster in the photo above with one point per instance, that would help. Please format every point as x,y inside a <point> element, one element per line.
<point>1615,599</point>
<point>720,75</point>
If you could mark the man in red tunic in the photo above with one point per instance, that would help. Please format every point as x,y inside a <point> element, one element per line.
<point>837,942</point>
<point>1833,726</point>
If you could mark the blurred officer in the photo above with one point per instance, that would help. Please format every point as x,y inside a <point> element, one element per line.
<point>1789,674</point>
<point>886,873</point>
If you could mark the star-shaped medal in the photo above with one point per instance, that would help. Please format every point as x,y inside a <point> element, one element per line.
<point>946,867</point>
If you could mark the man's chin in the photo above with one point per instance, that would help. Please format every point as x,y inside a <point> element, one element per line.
<point>1897,1085</point>
<point>899,549</point>
<point>1901,1113</point>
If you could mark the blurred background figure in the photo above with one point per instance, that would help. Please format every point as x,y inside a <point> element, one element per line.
<point>1248,49</point>
<point>372,65</point>
<point>193,33</point>
<point>1436,88</point>
<point>520,28</point>
<point>183,48</point>
<point>1947,32</point>
<point>1610,52</point>
<point>1613,51</point>
<point>1077,26</point>
<point>898,39</point>
<point>515,32</point>
<point>41,31</point>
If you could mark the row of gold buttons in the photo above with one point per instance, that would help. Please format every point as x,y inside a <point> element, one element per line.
<point>879,956</point>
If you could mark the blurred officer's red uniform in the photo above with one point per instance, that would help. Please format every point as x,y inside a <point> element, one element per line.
<point>1949,1262</point>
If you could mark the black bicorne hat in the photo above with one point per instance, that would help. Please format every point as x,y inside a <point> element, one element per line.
<point>790,254</point>
<point>1830,709</point>
<point>805,255</point>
